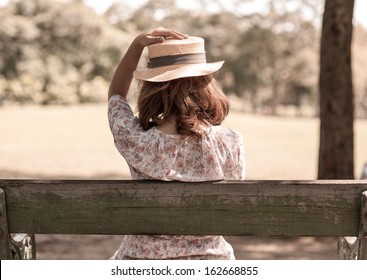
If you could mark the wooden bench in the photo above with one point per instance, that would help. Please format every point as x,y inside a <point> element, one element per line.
<point>242,208</point>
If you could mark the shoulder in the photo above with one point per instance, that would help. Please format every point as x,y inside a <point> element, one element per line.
<point>225,138</point>
<point>225,132</point>
<point>119,112</point>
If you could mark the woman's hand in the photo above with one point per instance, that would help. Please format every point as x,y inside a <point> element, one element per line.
<point>158,35</point>
<point>123,76</point>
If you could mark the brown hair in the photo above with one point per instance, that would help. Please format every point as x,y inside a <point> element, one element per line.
<point>195,101</point>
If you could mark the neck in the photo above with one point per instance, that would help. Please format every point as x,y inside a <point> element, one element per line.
<point>168,125</point>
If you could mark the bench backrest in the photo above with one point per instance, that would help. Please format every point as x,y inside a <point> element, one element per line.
<point>262,208</point>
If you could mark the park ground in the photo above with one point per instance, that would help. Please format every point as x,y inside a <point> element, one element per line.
<point>62,142</point>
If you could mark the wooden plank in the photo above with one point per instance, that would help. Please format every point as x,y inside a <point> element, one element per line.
<point>277,208</point>
<point>4,233</point>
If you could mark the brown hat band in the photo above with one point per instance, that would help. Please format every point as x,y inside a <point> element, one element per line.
<point>191,58</point>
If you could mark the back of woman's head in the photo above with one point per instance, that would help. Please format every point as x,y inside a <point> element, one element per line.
<point>194,101</point>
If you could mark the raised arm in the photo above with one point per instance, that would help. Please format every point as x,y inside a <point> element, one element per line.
<point>123,76</point>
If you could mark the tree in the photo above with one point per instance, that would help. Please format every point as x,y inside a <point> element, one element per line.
<point>336,92</point>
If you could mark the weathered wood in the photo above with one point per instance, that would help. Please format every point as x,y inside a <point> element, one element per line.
<point>23,246</point>
<point>4,233</point>
<point>263,208</point>
<point>362,237</point>
<point>347,248</point>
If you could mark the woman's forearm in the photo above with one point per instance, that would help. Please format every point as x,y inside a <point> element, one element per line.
<point>123,76</point>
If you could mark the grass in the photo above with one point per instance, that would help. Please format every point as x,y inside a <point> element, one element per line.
<point>75,142</point>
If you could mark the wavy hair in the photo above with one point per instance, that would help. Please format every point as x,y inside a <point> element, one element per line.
<point>194,101</point>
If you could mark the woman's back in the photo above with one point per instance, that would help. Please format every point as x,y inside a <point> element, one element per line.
<point>153,154</point>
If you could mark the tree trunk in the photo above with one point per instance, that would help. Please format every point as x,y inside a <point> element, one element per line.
<point>336,153</point>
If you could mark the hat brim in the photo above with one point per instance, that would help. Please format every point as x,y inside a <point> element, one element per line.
<point>171,72</point>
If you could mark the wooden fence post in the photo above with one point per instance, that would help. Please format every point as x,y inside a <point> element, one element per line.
<point>4,233</point>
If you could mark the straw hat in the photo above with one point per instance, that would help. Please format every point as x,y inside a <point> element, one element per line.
<point>174,59</point>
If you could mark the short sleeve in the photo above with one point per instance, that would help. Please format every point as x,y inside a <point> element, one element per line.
<point>141,149</point>
<point>120,114</point>
<point>128,135</point>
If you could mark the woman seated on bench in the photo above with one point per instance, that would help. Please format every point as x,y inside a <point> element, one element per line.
<point>177,135</point>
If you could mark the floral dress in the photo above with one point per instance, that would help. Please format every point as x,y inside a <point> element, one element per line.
<point>153,154</point>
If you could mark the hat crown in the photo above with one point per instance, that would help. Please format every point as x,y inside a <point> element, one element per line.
<point>169,47</point>
<point>175,59</point>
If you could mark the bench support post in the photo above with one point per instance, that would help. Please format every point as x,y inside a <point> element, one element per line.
<point>23,246</point>
<point>355,248</point>
<point>362,236</point>
<point>347,248</point>
<point>19,246</point>
<point>5,253</point>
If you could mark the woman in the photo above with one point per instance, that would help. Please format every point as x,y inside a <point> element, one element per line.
<point>176,135</point>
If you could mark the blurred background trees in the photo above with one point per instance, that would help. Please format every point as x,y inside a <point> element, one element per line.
<point>56,52</point>
<point>63,52</point>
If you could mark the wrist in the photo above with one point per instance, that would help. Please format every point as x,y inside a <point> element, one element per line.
<point>139,42</point>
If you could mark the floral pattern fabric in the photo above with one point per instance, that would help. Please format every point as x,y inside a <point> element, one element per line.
<point>153,154</point>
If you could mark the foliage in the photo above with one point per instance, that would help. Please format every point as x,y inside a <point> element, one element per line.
<point>52,52</point>
<point>63,52</point>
